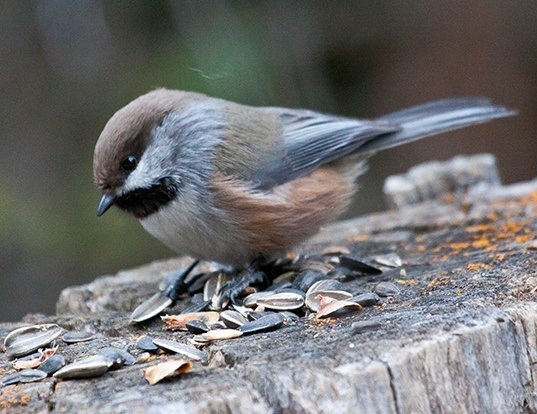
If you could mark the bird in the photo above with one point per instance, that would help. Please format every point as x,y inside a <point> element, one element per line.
<point>231,183</point>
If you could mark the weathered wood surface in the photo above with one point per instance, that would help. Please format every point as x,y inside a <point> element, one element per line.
<point>460,337</point>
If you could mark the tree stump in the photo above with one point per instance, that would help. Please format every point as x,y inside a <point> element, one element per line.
<point>461,336</point>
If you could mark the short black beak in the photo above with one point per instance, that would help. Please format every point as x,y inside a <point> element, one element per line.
<point>106,202</point>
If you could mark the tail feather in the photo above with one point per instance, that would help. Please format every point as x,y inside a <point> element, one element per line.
<point>434,118</point>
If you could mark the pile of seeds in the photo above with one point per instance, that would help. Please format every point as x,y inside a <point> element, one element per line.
<point>309,287</point>
<point>35,348</point>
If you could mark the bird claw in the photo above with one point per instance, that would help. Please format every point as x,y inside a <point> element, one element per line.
<point>232,289</point>
<point>178,286</point>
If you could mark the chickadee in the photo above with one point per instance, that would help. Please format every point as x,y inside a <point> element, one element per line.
<point>226,182</point>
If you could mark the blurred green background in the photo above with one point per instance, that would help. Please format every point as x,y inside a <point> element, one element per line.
<point>67,65</point>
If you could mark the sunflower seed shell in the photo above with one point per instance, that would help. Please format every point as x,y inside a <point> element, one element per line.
<point>264,324</point>
<point>90,367</point>
<point>157,373</point>
<point>53,364</point>
<point>185,350</point>
<point>282,301</point>
<point>24,341</point>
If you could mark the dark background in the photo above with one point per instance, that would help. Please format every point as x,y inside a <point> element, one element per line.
<point>66,66</point>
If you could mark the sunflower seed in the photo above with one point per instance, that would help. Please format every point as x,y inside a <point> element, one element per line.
<point>389,260</point>
<point>117,357</point>
<point>34,360</point>
<point>151,307</point>
<point>90,367</point>
<point>385,289</point>
<point>143,357</point>
<point>197,327</point>
<point>290,290</point>
<point>366,299</point>
<point>77,336</point>
<point>307,278</point>
<point>29,361</point>
<point>185,350</point>
<point>53,364</point>
<point>282,301</point>
<point>243,310</point>
<point>32,375</point>
<point>313,299</point>
<point>220,334</point>
<point>290,317</point>
<point>166,369</point>
<point>233,319</point>
<point>327,284</point>
<point>266,323</point>
<point>325,288</point>
<point>11,379</point>
<point>250,301</point>
<point>218,325</point>
<point>212,289</point>
<point>210,286</point>
<point>27,375</point>
<point>329,306</point>
<point>24,341</point>
<point>353,263</point>
<point>254,316</point>
<point>145,343</point>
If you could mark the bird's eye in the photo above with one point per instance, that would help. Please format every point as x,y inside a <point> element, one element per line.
<point>129,163</point>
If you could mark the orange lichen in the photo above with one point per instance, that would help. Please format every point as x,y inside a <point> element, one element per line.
<point>489,237</point>
<point>478,228</point>
<point>523,239</point>
<point>11,398</point>
<point>459,246</point>
<point>477,266</point>
<point>361,238</point>
<point>480,243</point>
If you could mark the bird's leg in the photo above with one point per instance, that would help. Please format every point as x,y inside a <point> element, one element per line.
<point>178,285</point>
<point>161,300</point>
<point>253,275</point>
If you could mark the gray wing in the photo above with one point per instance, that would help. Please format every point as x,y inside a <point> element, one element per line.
<point>310,139</point>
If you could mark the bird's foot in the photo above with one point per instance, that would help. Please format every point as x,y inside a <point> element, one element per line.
<point>252,276</point>
<point>163,299</point>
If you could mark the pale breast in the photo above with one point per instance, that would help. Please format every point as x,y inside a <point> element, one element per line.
<point>194,231</point>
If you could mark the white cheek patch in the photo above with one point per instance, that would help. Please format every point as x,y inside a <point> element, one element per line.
<point>141,177</point>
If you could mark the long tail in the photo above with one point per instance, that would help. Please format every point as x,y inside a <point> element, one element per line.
<point>434,118</point>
